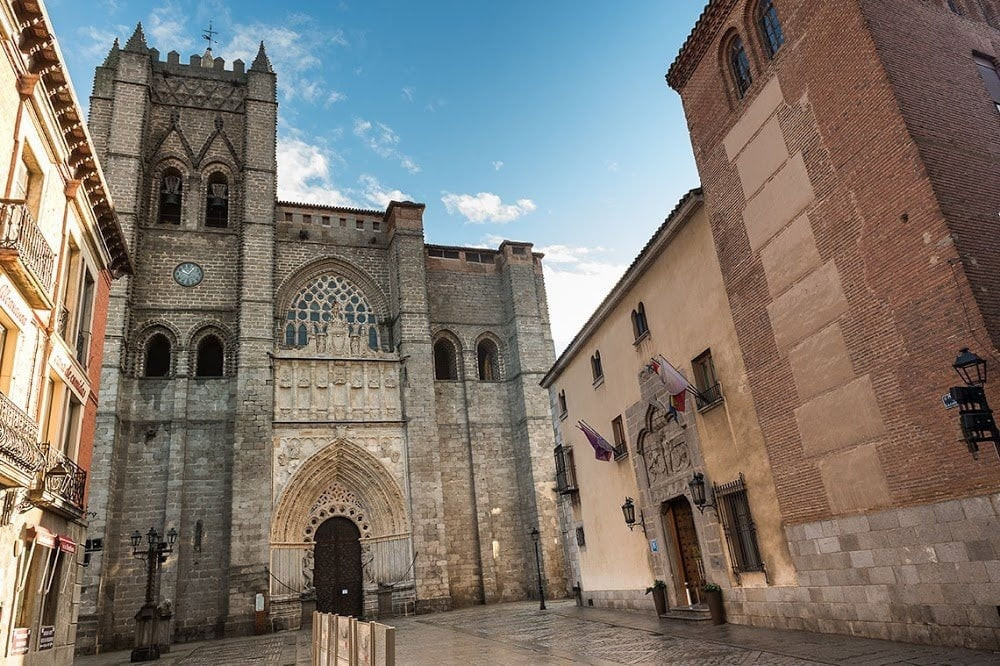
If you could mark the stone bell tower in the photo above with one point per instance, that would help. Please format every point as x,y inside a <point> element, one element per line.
<point>184,425</point>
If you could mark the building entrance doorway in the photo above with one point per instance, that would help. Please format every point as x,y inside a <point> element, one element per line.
<point>685,555</point>
<point>337,568</point>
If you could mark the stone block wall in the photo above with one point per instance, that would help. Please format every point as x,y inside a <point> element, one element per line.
<point>925,574</point>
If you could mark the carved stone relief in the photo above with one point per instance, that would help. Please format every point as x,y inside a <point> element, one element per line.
<point>312,390</point>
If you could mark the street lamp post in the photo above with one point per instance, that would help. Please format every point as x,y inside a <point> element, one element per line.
<point>535,534</point>
<point>154,554</point>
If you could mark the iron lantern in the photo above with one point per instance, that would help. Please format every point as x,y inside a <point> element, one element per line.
<point>628,509</point>
<point>152,536</point>
<point>970,368</point>
<point>535,534</point>
<point>135,539</point>
<point>697,486</point>
<point>171,537</point>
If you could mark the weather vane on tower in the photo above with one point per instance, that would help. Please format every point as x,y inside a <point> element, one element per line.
<point>209,35</point>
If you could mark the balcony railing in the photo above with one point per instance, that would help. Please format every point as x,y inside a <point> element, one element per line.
<point>63,479</point>
<point>565,472</point>
<point>19,439</point>
<point>709,397</point>
<point>25,253</point>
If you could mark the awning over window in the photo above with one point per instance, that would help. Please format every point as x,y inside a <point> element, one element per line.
<point>42,536</point>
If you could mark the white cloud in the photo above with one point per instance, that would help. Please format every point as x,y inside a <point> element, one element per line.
<point>612,166</point>
<point>497,165</point>
<point>167,29</point>
<point>338,38</point>
<point>101,39</point>
<point>374,192</point>
<point>383,140</point>
<point>304,174</point>
<point>574,291</point>
<point>486,207</point>
<point>334,97</point>
<point>291,47</point>
<point>408,93</point>
<point>565,254</point>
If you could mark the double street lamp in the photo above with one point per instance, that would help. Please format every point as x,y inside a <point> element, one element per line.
<point>154,553</point>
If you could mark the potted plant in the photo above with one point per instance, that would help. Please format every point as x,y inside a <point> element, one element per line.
<point>659,590</point>
<point>713,595</point>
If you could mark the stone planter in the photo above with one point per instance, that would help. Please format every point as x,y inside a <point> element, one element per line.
<point>715,608</point>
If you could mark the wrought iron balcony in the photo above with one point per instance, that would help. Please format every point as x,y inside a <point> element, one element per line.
<point>19,441</point>
<point>62,484</point>
<point>25,253</point>
<point>565,472</point>
<point>709,397</point>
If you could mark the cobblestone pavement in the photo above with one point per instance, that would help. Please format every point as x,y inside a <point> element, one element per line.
<point>519,634</point>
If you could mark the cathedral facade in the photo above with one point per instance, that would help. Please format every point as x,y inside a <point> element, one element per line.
<point>327,409</point>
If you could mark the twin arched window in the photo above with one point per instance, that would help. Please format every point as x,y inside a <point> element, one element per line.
<point>765,17</point>
<point>158,357</point>
<point>595,366</point>
<point>172,198</point>
<point>640,326</point>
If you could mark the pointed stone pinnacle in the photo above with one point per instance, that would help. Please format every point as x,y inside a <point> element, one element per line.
<point>137,42</point>
<point>261,62</point>
<point>112,58</point>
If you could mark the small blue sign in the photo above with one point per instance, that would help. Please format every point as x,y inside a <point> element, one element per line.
<point>949,402</point>
<point>653,546</point>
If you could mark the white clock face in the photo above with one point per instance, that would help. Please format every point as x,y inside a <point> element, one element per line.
<point>188,274</point>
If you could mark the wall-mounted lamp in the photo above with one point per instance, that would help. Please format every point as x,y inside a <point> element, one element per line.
<point>970,368</point>
<point>628,510</point>
<point>699,493</point>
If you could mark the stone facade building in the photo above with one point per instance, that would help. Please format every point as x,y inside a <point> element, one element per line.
<point>60,248</point>
<point>319,402</point>
<point>602,378</point>
<point>849,156</point>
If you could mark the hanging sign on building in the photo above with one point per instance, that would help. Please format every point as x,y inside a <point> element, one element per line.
<point>46,637</point>
<point>653,546</point>
<point>69,371</point>
<point>19,641</point>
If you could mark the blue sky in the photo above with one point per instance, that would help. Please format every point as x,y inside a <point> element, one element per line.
<point>547,122</point>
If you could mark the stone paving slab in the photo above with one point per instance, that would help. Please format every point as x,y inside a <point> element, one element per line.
<point>520,634</point>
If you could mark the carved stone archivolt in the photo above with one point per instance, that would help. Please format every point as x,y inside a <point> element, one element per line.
<point>342,474</point>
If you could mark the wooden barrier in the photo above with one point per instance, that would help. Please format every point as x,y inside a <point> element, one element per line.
<point>344,641</point>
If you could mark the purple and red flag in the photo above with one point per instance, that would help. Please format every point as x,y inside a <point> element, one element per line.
<point>602,450</point>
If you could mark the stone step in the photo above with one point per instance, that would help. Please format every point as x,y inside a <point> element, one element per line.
<point>688,614</point>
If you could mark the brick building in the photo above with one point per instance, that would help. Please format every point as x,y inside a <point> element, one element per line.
<point>848,152</point>
<point>60,248</point>
<point>322,405</point>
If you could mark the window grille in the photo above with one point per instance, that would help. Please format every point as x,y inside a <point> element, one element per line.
<point>640,326</point>
<point>595,366</point>
<point>581,539</point>
<point>738,525</point>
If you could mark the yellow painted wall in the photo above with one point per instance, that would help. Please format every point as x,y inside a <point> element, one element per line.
<point>688,312</point>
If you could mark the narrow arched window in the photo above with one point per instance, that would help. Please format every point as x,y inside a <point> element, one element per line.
<point>210,357</point>
<point>372,338</point>
<point>595,366</point>
<point>739,64</point>
<point>639,325</point>
<point>770,26</point>
<point>488,357</point>
<point>171,194</point>
<point>445,360</point>
<point>217,201</point>
<point>157,357</point>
